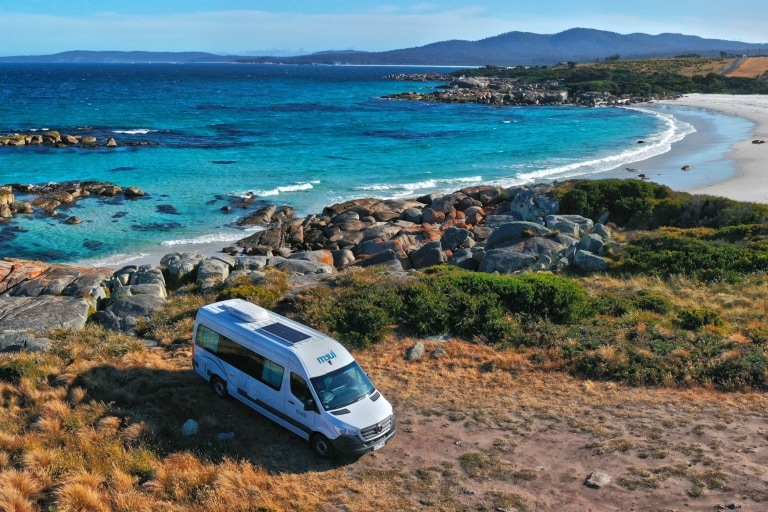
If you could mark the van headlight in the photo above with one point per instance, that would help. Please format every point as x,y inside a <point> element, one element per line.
<point>345,431</point>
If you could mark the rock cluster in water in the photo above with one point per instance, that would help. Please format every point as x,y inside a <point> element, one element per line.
<point>52,196</point>
<point>508,91</point>
<point>55,139</point>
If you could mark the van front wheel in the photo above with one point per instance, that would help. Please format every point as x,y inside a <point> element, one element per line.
<point>322,446</point>
<point>219,386</point>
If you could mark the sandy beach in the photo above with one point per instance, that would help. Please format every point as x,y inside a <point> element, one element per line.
<point>748,181</point>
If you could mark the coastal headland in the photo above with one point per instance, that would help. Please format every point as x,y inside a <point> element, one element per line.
<point>509,92</point>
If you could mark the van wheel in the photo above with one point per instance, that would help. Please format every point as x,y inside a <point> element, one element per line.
<point>219,386</point>
<point>323,446</point>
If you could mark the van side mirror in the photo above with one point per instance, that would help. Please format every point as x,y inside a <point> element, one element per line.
<point>309,405</point>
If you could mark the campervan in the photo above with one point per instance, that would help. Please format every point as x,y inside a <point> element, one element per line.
<point>292,374</point>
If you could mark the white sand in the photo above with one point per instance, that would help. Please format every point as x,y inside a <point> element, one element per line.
<point>751,160</point>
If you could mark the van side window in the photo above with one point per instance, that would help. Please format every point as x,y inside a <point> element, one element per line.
<point>245,360</point>
<point>272,375</point>
<point>299,388</point>
<point>207,339</point>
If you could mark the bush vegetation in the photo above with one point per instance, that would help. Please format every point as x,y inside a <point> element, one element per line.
<point>681,75</point>
<point>362,307</point>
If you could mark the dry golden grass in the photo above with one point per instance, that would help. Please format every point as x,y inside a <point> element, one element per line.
<point>752,67</point>
<point>741,305</point>
<point>13,501</point>
<point>682,66</point>
<point>21,482</point>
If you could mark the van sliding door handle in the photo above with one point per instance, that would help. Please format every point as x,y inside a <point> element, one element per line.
<point>291,402</point>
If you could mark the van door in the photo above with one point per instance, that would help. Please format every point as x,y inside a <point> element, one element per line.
<point>297,394</point>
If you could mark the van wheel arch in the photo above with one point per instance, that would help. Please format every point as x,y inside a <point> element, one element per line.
<point>322,446</point>
<point>219,386</point>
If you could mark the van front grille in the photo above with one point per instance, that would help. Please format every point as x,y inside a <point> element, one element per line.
<point>377,430</point>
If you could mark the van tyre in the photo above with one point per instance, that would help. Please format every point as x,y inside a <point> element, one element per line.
<point>322,446</point>
<point>219,386</point>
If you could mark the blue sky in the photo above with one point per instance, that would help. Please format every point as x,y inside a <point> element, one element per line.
<point>246,27</point>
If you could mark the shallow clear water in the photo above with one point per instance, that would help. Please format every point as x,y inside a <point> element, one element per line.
<point>308,136</point>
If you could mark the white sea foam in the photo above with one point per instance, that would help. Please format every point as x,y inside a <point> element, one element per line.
<point>116,260</point>
<point>212,238</point>
<point>400,189</point>
<point>283,189</point>
<point>673,131</point>
<point>135,131</point>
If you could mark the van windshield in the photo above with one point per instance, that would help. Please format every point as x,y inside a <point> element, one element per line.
<point>342,387</point>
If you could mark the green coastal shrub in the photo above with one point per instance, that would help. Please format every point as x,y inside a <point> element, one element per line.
<point>629,202</point>
<point>473,304</point>
<point>739,233</point>
<point>693,319</point>
<point>425,310</point>
<point>684,210</point>
<point>669,252</point>
<point>651,301</point>
<point>15,370</point>
<point>359,309</point>
<point>266,294</point>
<point>740,369</point>
<point>638,204</point>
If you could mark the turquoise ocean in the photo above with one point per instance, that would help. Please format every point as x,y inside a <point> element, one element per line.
<point>205,135</point>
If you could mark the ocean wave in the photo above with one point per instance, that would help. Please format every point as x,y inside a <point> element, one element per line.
<point>419,185</point>
<point>117,260</point>
<point>412,189</point>
<point>135,131</point>
<point>673,130</point>
<point>281,189</point>
<point>210,238</point>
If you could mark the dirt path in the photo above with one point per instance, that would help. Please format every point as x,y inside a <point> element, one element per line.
<point>508,439</point>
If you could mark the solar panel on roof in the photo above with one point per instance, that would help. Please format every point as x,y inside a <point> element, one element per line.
<point>285,333</point>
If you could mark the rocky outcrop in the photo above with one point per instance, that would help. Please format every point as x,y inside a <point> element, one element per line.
<point>36,297</point>
<point>515,229</point>
<point>55,139</point>
<point>509,91</point>
<point>484,228</point>
<point>51,196</point>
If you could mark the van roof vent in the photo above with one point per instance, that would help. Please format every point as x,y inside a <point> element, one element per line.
<point>285,333</point>
<point>251,314</point>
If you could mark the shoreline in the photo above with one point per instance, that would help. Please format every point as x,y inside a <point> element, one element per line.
<point>719,166</point>
<point>735,173</point>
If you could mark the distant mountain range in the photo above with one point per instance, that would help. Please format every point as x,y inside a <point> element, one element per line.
<point>510,49</point>
<point>123,57</point>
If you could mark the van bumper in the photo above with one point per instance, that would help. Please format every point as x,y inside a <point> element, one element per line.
<point>349,445</point>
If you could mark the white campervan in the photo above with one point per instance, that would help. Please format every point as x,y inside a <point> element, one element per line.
<point>292,374</point>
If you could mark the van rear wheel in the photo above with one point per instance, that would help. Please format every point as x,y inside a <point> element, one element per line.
<point>219,386</point>
<point>323,446</point>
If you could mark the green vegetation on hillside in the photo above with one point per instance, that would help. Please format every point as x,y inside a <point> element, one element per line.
<point>646,77</point>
